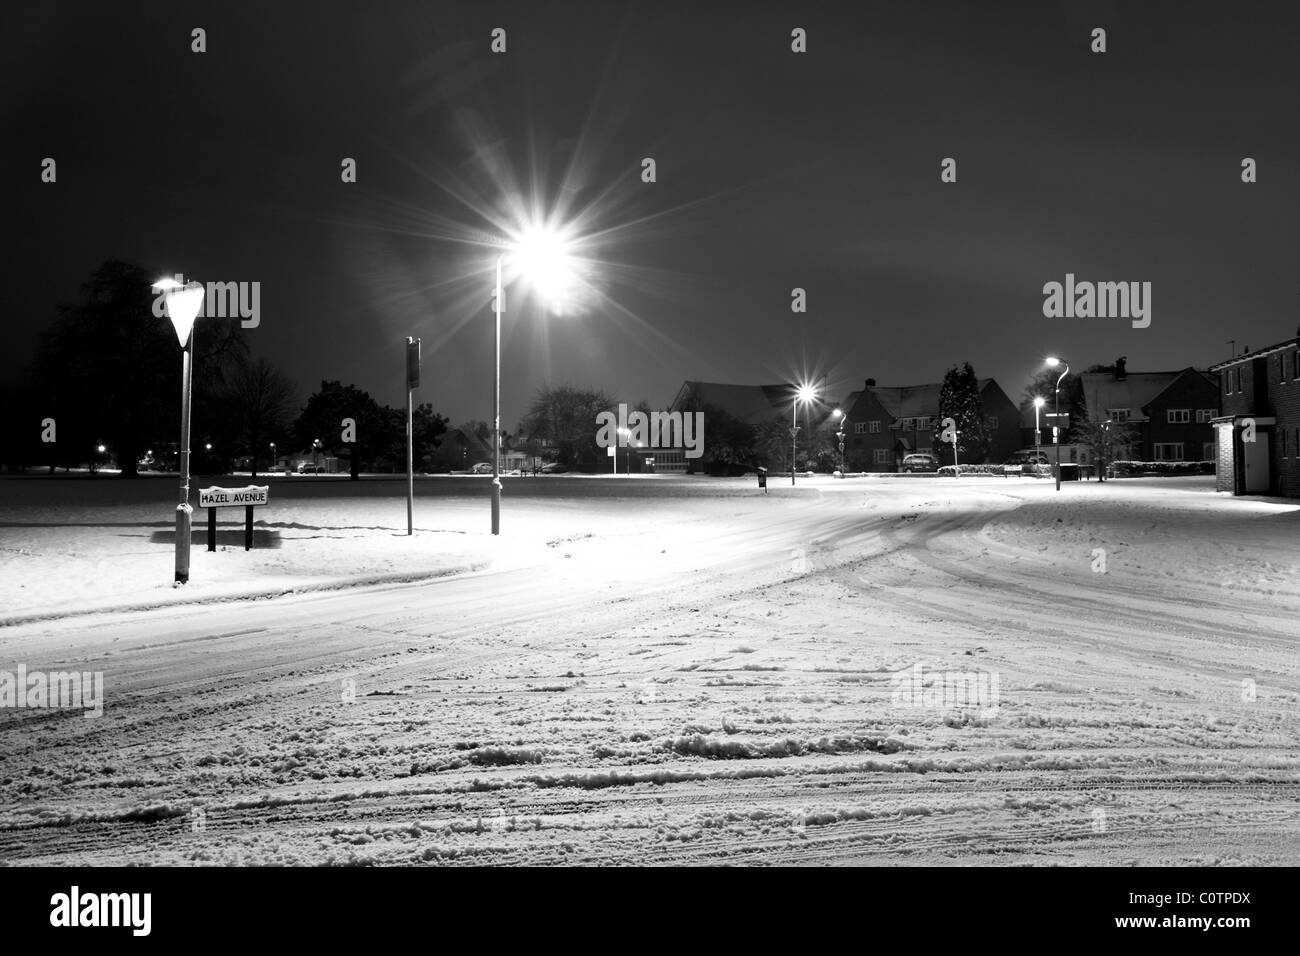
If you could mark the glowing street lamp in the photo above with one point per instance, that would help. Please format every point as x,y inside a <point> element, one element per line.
<point>1053,362</point>
<point>804,394</point>
<point>183,304</point>
<point>541,255</point>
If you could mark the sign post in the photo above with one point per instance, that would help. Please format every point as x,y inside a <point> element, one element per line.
<point>250,497</point>
<point>412,383</point>
<point>950,434</point>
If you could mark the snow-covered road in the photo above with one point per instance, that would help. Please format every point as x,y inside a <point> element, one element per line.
<point>660,678</point>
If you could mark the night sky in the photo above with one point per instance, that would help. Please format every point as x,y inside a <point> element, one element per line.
<point>775,170</point>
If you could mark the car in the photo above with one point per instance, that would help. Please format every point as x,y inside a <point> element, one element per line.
<point>308,468</point>
<point>553,468</point>
<point>481,468</point>
<point>1027,463</point>
<point>919,461</point>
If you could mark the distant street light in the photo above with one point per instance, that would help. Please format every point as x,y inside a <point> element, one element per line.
<point>626,433</point>
<point>1053,362</point>
<point>273,461</point>
<point>183,304</point>
<point>315,456</point>
<point>805,394</point>
<point>541,254</point>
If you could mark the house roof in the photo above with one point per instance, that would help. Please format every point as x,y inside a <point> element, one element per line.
<point>913,401</point>
<point>1136,391</point>
<point>1258,353</point>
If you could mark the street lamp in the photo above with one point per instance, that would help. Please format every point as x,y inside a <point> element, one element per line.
<point>183,304</point>
<point>839,435</point>
<point>272,458</point>
<point>1053,362</point>
<point>315,456</point>
<point>541,254</point>
<point>1039,402</point>
<point>805,394</point>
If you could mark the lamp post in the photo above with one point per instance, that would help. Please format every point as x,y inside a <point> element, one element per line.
<point>1039,402</point>
<point>541,253</point>
<point>1053,362</point>
<point>839,435</point>
<point>273,462</point>
<point>315,456</point>
<point>183,303</point>
<point>804,393</point>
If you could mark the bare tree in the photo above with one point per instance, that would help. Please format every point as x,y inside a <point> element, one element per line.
<point>261,400</point>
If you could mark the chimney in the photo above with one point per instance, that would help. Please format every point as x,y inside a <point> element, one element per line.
<point>1121,372</point>
<point>871,383</point>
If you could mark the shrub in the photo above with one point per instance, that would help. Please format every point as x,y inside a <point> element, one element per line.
<point>1133,469</point>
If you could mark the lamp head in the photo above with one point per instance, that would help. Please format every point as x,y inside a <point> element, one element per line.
<point>806,393</point>
<point>1039,401</point>
<point>183,304</point>
<point>1052,361</point>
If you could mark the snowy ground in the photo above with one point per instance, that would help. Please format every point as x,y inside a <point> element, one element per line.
<point>658,671</point>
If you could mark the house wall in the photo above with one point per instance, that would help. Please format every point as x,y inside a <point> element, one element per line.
<point>1005,440</point>
<point>1189,391</point>
<point>1284,398</point>
<point>859,449</point>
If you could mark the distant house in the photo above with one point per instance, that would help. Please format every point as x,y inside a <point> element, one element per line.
<point>460,449</point>
<point>887,423</point>
<point>1260,400</point>
<point>1170,413</point>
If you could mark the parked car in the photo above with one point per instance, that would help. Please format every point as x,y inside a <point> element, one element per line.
<point>553,468</point>
<point>309,468</point>
<point>1027,463</point>
<point>920,461</point>
<point>481,468</point>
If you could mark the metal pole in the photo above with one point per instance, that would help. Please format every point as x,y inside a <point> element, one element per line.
<point>183,509</point>
<point>794,436</point>
<point>1038,438</point>
<point>1056,426</point>
<point>410,468</point>
<point>496,413</point>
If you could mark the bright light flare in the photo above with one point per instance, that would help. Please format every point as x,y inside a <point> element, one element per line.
<point>1039,401</point>
<point>806,393</point>
<point>1052,362</point>
<point>542,255</point>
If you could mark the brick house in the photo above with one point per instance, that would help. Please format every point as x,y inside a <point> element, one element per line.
<point>1260,398</point>
<point>1169,412</point>
<point>887,423</point>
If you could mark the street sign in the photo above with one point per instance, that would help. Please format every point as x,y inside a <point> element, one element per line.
<point>231,497</point>
<point>248,498</point>
<point>412,363</point>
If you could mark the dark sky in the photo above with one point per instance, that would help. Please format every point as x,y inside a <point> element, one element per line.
<point>775,170</point>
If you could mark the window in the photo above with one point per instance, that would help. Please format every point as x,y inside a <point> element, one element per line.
<point>1286,449</point>
<point>907,424</point>
<point>1208,451</point>
<point>1295,364</point>
<point>1203,415</point>
<point>875,427</point>
<point>1119,416</point>
<point>880,456</point>
<point>1230,381</point>
<point>993,423</point>
<point>1282,361</point>
<point>1168,451</point>
<point>923,423</point>
<point>860,428</point>
<point>1179,416</point>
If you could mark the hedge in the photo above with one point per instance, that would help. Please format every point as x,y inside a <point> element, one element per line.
<point>1132,469</point>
